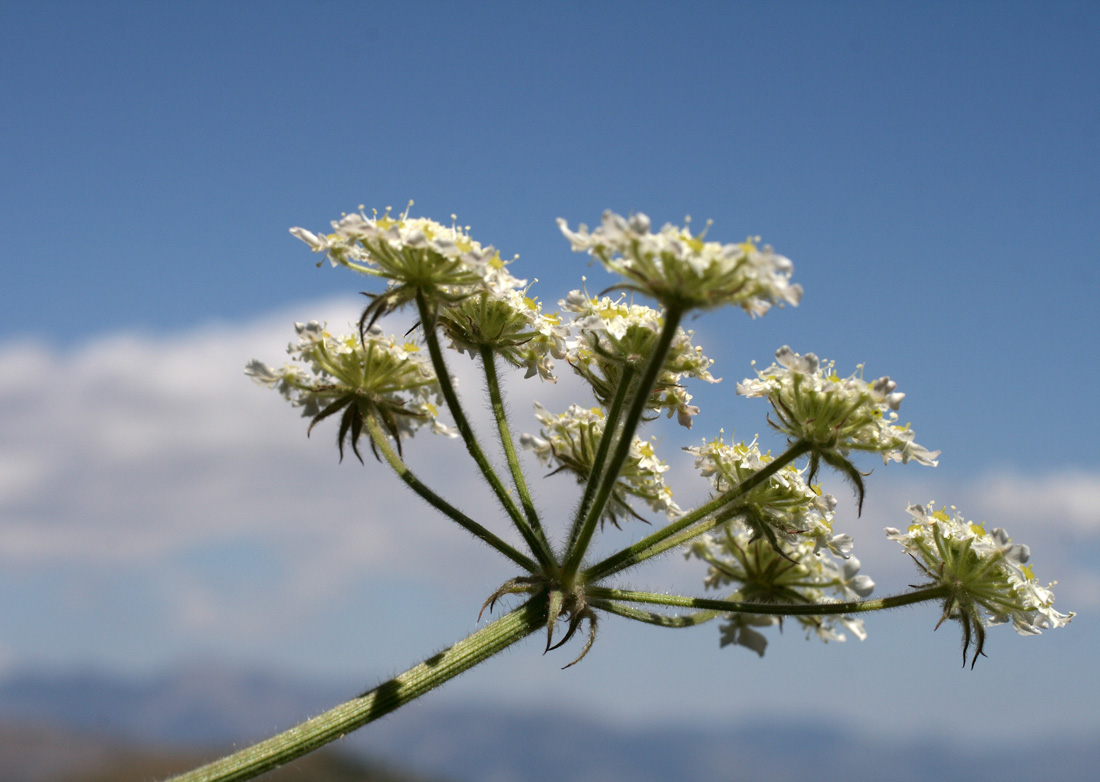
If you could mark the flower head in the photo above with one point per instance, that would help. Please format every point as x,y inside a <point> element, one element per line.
<point>679,268</point>
<point>844,414</point>
<point>503,316</point>
<point>613,335</point>
<point>785,507</point>
<point>986,576</point>
<point>760,574</point>
<point>835,415</point>
<point>416,256</point>
<point>570,441</point>
<point>369,375</point>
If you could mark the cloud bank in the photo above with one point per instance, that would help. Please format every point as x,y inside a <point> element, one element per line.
<point>144,477</point>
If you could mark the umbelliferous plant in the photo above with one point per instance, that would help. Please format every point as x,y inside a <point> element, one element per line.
<point>766,533</point>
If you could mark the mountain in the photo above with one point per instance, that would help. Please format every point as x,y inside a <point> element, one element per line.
<point>194,714</point>
<point>30,753</point>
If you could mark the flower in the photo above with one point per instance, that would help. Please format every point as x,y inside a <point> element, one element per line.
<point>416,255</point>
<point>835,415</point>
<point>502,316</point>
<point>570,440</point>
<point>986,576</point>
<point>614,335</point>
<point>368,375</point>
<point>760,574</point>
<point>681,269</point>
<point>785,507</point>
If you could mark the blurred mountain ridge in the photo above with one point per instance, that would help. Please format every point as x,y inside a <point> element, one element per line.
<point>64,723</point>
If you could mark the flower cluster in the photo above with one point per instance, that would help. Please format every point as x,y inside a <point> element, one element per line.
<point>681,269</point>
<point>504,318</point>
<point>767,534</point>
<point>363,375</point>
<point>836,414</point>
<point>760,574</point>
<point>986,574</point>
<point>784,507</point>
<point>417,256</point>
<point>570,441</point>
<point>613,335</point>
<point>404,249</point>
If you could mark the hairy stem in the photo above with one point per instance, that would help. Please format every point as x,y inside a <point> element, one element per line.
<point>382,443</point>
<point>650,617</point>
<point>427,323</point>
<point>383,699</point>
<point>488,361</point>
<point>688,526</point>
<point>612,423</point>
<point>608,473</point>
<point>772,609</point>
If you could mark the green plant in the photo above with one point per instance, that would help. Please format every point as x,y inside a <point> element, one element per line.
<point>766,535</point>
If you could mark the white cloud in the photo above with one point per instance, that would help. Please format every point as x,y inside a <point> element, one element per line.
<point>149,452</point>
<point>1070,499</point>
<point>154,461</point>
<point>1054,515</point>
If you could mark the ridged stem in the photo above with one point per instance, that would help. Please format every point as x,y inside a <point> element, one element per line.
<point>689,526</point>
<point>382,444</point>
<point>771,609</point>
<point>607,474</point>
<point>496,399</point>
<point>383,699</point>
<point>427,324</point>
<point>610,425</point>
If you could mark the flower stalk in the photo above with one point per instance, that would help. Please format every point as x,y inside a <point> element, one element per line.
<point>538,546</point>
<point>689,526</point>
<point>378,702</point>
<point>381,442</point>
<point>496,399</point>
<point>624,437</point>
<point>922,595</point>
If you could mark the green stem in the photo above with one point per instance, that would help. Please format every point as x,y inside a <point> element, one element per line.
<point>609,473</point>
<point>383,699</point>
<point>488,361</point>
<point>938,592</point>
<point>688,526</point>
<point>382,443</point>
<point>427,323</point>
<point>610,424</point>
<point>650,617</point>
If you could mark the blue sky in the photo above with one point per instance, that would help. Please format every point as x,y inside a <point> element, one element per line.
<point>932,170</point>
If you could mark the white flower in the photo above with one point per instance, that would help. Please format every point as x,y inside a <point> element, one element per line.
<point>852,585</point>
<point>502,316</point>
<point>681,269</point>
<point>760,574</point>
<point>570,440</point>
<point>613,335</point>
<point>369,376</point>
<point>812,403</point>
<point>985,573</point>
<point>417,256</point>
